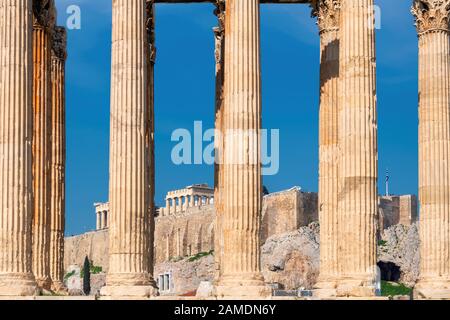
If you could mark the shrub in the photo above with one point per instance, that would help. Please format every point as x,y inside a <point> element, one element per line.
<point>68,275</point>
<point>200,255</point>
<point>87,276</point>
<point>382,243</point>
<point>390,289</point>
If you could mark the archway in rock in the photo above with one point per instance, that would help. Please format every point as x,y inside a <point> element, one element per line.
<point>389,271</point>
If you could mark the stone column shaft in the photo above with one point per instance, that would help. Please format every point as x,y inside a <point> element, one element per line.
<point>99,221</point>
<point>242,185</point>
<point>151,59</point>
<point>16,123</point>
<point>42,104</point>
<point>167,210</point>
<point>327,12</point>
<point>219,53</point>
<point>358,160</point>
<point>434,147</point>
<point>105,219</point>
<point>129,193</point>
<point>58,159</point>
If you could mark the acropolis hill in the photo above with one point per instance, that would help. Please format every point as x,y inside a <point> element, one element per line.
<point>243,244</point>
<point>184,231</point>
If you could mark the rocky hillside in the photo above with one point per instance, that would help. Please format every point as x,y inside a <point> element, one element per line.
<point>292,259</point>
<point>400,245</point>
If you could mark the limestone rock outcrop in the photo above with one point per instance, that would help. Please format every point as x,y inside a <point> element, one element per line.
<point>186,275</point>
<point>400,245</point>
<point>292,259</point>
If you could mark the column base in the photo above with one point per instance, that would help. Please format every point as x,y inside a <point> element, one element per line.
<point>432,290</point>
<point>231,287</point>
<point>139,285</point>
<point>21,284</point>
<point>325,288</point>
<point>129,292</point>
<point>355,288</point>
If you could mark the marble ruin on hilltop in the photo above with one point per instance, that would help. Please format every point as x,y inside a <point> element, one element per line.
<point>185,228</point>
<point>32,152</point>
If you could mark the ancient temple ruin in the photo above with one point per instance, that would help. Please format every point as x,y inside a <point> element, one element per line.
<point>32,152</point>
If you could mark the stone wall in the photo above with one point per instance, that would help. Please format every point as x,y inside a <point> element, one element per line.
<point>92,244</point>
<point>190,232</point>
<point>287,211</point>
<point>180,237</point>
<point>395,210</point>
<point>184,234</point>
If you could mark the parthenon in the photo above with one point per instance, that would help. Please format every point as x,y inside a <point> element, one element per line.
<point>32,150</point>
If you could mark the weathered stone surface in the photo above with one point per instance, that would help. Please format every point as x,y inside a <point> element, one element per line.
<point>185,233</point>
<point>186,275</point>
<point>98,281</point>
<point>205,289</point>
<point>92,244</point>
<point>58,159</point>
<point>358,153</point>
<point>400,245</point>
<point>292,259</point>
<point>328,13</point>
<point>286,211</point>
<point>16,118</point>
<point>242,183</point>
<point>289,259</point>
<point>395,210</point>
<point>131,219</point>
<point>432,21</point>
<point>73,281</point>
<point>219,53</point>
<point>192,231</point>
<point>44,15</point>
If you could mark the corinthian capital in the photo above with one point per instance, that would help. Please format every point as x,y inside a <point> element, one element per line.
<point>44,14</point>
<point>327,13</point>
<point>431,15</point>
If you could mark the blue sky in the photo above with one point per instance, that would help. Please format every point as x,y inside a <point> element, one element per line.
<point>184,87</point>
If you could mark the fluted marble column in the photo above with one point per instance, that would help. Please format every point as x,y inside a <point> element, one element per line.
<point>167,208</point>
<point>240,264</point>
<point>327,13</point>
<point>432,21</point>
<point>104,220</point>
<point>43,23</point>
<point>150,137</point>
<point>219,38</point>
<point>16,116</point>
<point>98,220</point>
<point>358,160</point>
<point>58,159</point>
<point>129,193</point>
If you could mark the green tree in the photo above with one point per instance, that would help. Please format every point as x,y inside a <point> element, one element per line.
<point>87,276</point>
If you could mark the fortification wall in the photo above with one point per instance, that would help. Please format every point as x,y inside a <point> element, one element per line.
<point>92,244</point>
<point>184,234</point>
<point>190,232</point>
<point>287,211</point>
